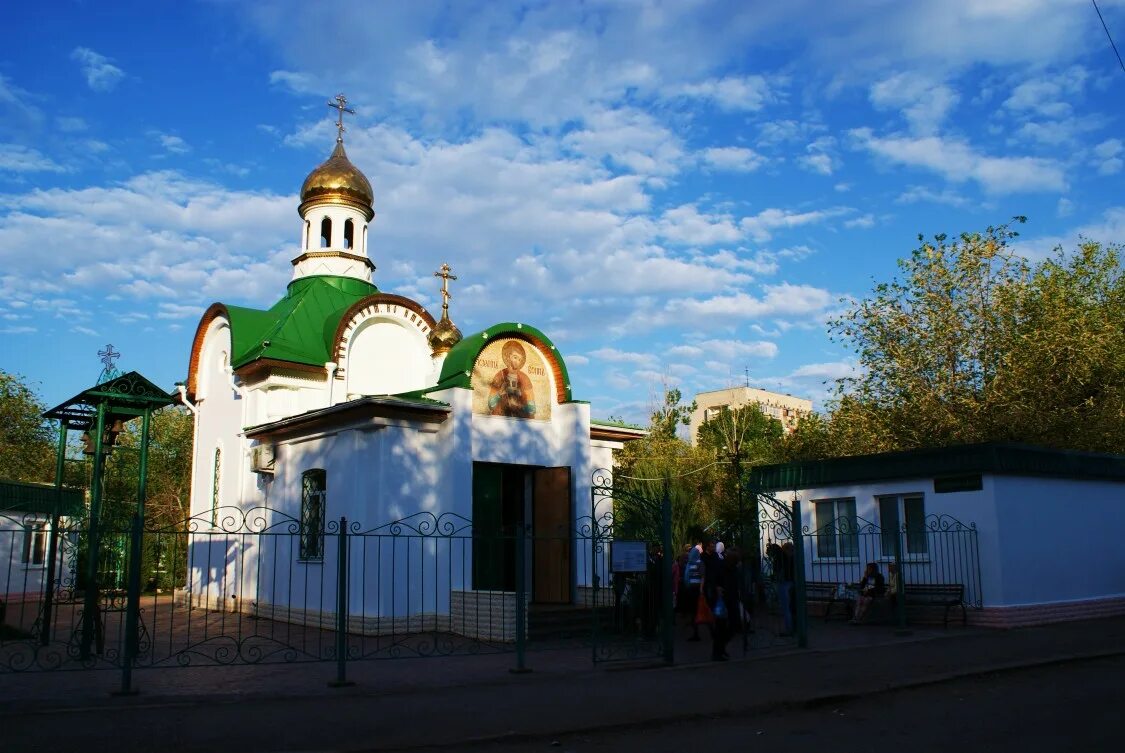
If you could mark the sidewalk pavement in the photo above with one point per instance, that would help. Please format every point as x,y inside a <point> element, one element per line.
<point>404,704</point>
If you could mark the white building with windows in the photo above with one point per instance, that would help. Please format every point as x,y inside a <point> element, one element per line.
<point>1031,533</point>
<point>343,400</point>
<point>27,514</point>
<point>785,408</point>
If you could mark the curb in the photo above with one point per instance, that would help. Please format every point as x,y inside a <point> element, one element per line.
<point>813,702</point>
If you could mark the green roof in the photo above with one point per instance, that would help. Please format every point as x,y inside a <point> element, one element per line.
<point>300,327</point>
<point>457,369</point>
<point>992,457</point>
<point>616,424</point>
<point>21,497</point>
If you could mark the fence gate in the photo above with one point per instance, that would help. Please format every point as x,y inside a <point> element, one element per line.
<point>630,583</point>
<point>774,588</point>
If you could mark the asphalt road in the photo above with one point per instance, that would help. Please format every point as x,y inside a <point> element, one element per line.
<point>1078,706</point>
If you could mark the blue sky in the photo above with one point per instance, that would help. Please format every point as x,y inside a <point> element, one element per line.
<point>675,192</point>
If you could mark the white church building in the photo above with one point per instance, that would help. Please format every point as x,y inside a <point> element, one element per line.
<point>345,401</point>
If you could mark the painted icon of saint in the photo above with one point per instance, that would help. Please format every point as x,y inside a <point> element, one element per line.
<point>510,392</point>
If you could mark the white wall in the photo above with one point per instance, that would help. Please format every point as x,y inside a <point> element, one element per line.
<point>1059,540</point>
<point>385,358</point>
<point>949,559</point>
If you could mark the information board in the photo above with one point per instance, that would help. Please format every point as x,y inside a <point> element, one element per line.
<point>628,557</point>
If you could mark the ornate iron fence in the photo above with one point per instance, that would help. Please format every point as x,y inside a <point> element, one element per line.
<point>244,586</point>
<point>937,551</point>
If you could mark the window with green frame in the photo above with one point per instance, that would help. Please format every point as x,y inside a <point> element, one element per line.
<point>313,495</point>
<point>900,513</point>
<point>837,529</point>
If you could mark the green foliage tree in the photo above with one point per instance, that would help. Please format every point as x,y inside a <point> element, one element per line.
<point>742,438</point>
<point>27,442</point>
<point>644,464</point>
<point>975,343</point>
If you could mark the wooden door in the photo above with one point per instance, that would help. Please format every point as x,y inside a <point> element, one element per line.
<point>552,539</point>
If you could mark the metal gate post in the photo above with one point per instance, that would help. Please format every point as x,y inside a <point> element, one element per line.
<point>90,616</point>
<point>341,680</point>
<point>667,616</point>
<point>799,572</point>
<point>132,608</point>
<point>53,541</point>
<point>521,601</point>
<point>900,596</point>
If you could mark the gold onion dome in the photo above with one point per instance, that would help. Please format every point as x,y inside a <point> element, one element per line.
<point>444,336</point>
<point>338,181</point>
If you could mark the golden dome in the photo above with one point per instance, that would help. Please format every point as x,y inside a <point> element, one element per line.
<point>338,181</point>
<point>444,336</point>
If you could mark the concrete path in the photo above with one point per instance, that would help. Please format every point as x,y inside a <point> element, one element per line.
<point>431,702</point>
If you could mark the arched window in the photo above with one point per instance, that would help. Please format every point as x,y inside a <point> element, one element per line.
<point>308,233</point>
<point>313,498</point>
<point>349,234</point>
<point>363,248</point>
<point>325,233</point>
<point>216,482</point>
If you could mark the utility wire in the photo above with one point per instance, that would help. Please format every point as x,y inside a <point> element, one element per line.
<point>679,475</point>
<point>1108,35</point>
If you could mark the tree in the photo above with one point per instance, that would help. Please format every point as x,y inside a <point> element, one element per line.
<point>668,418</point>
<point>27,442</point>
<point>644,464</point>
<point>743,437</point>
<point>974,343</point>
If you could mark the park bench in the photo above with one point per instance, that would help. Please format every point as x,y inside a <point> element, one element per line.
<point>825,593</point>
<point>946,595</point>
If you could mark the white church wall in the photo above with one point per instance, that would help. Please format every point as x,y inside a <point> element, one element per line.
<point>218,425</point>
<point>386,357</point>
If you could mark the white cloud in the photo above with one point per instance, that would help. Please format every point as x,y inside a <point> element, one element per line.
<point>21,159</point>
<point>916,194</point>
<point>733,158</point>
<point>761,226</point>
<point>1047,95</point>
<point>101,75</point>
<point>819,156</point>
<point>171,143</point>
<point>866,221</point>
<point>1108,157</point>
<point>831,370</point>
<point>924,102</point>
<point>1064,208</point>
<point>298,83</point>
<point>685,225</point>
<point>734,93</point>
<point>958,161</point>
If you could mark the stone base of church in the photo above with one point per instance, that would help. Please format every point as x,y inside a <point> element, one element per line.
<point>480,615</point>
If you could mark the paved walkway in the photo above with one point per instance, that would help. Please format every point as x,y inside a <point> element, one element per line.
<point>453,701</point>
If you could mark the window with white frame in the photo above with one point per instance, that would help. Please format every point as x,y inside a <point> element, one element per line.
<point>216,484</point>
<point>903,514</point>
<point>35,543</point>
<point>313,493</point>
<point>837,531</point>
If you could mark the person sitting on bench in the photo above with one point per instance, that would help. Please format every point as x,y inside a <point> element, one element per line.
<point>870,588</point>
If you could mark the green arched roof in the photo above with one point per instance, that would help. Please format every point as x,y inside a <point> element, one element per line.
<point>457,369</point>
<point>301,326</point>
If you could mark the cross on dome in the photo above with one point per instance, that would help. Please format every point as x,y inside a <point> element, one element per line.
<point>446,274</point>
<point>341,106</point>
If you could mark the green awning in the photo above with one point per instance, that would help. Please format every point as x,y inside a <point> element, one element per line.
<point>21,497</point>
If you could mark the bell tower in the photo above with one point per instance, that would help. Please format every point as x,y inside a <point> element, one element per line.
<point>336,210</point>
